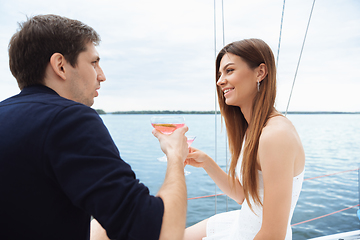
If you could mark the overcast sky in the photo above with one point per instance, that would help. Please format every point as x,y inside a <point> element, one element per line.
<point>159,54</point>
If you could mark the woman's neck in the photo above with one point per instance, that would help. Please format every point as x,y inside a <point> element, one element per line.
<point>247,111</point>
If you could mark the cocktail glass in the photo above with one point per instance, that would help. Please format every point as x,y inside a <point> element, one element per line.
<point>167,125</point>
<point>190,140</point>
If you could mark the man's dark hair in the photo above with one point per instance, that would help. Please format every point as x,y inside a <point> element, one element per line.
<point>37,39</point>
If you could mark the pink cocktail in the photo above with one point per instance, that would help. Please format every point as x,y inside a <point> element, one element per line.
<point>167,128</point>
<point>167,125</point>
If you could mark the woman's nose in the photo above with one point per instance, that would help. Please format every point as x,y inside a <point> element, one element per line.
<point>221,81</point>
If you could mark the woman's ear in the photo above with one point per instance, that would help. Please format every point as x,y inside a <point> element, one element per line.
<point>261,72</point>
<point>57,63</point>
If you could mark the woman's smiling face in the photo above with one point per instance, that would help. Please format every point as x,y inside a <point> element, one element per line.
<point>237,81</point>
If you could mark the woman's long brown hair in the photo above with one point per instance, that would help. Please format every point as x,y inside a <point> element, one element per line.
<point>253,52</point>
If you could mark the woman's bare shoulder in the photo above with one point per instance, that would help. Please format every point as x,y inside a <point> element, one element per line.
<point>278,126</point>
<point>280,138</point>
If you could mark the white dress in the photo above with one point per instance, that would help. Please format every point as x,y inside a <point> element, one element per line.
<point>243,224</point>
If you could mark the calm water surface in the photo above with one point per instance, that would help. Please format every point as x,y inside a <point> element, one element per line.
<point>331,143</point>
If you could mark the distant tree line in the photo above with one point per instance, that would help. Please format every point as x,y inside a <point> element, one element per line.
<point>100,111</point>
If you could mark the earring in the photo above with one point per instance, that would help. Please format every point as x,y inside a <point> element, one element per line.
<point>258,86</point>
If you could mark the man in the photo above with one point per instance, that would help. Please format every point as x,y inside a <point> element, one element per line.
<point>58,164</point>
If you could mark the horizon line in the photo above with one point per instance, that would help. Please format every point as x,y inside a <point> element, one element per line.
<point>100,111</point>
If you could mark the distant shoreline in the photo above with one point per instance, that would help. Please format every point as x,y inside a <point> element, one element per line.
<point>100,111</point>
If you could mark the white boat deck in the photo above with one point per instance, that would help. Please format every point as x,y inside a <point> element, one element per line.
<point>353,235</point>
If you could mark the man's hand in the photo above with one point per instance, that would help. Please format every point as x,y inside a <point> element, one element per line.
<point>173,145</point>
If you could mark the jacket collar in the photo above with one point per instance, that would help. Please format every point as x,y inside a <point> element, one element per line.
<point>37,89</point>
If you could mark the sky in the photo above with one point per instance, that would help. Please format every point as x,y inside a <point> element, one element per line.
<point>160,54</point>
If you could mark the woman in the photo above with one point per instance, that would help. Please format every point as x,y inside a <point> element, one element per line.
<point>267,157</point>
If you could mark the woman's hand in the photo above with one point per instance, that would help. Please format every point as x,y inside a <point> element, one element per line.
<point>196,158</point>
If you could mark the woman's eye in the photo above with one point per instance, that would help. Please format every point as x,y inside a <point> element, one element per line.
<point>229,70</point>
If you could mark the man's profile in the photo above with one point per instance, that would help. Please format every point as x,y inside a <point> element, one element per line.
<point>59,165</point>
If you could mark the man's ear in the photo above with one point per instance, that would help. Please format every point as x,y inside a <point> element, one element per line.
<point>57,63</point>
<point>261,72</point>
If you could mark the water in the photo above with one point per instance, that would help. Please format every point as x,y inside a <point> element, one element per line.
<point>331,144</point>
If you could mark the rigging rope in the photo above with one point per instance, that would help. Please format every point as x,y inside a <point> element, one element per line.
<point>223,35</point>
<point>324,215</point>
<point>281,24</point>
<point>223,39</point>
<point>359,192</point>
<point>215,99</point>
<point>302,48</point>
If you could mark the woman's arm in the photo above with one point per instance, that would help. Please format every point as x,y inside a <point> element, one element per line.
<point>277,153</point>
<point>198,158</point>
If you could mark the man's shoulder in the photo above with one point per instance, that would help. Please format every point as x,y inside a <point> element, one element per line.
<point>44,103</point>
<point>41,95</point>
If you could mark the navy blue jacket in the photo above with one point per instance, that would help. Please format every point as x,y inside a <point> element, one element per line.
<point>59,166</point>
